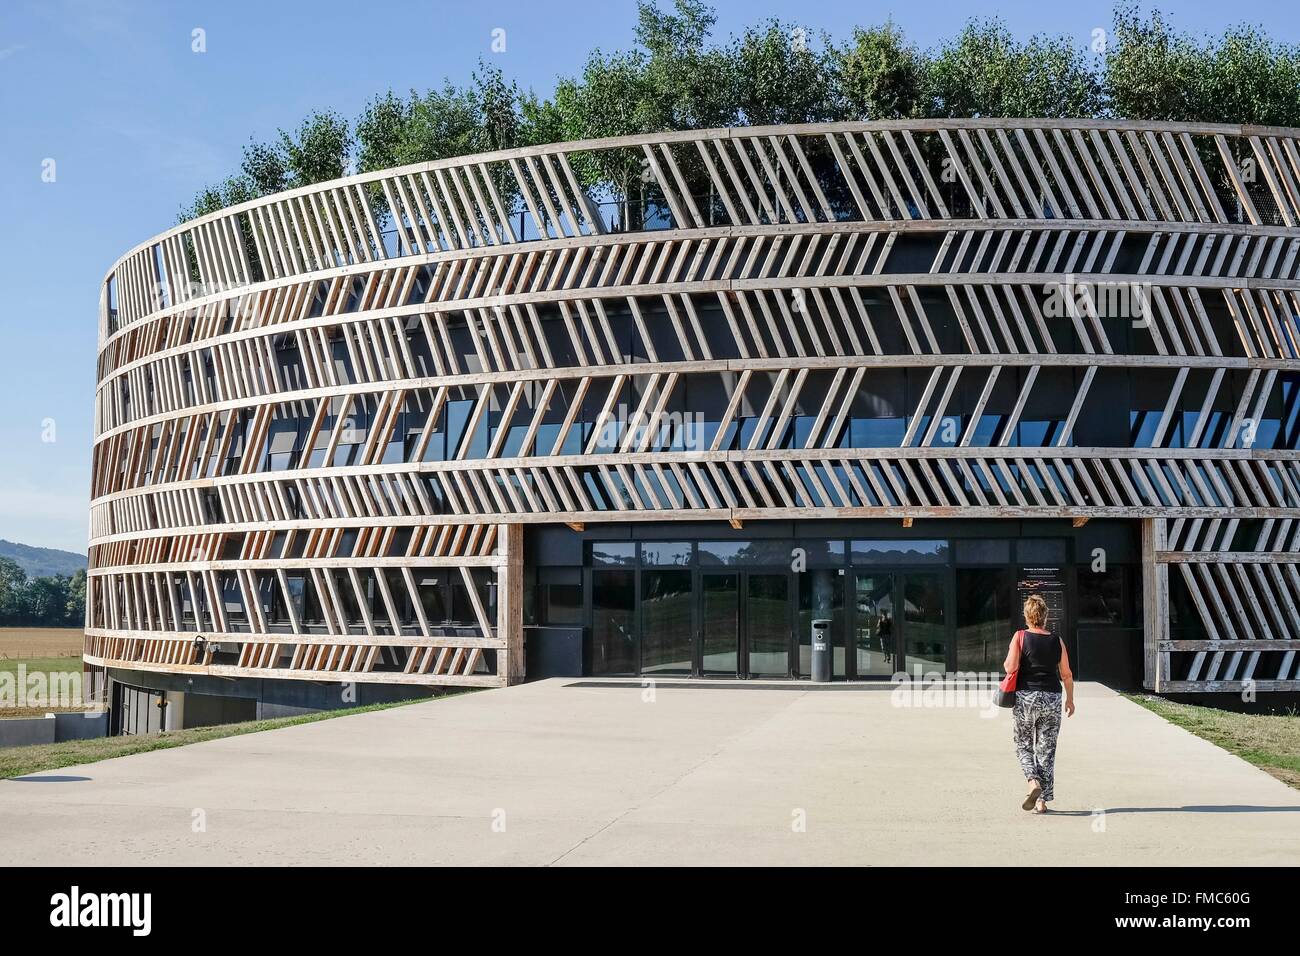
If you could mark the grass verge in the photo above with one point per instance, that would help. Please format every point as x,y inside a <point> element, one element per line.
<point>20,761</point>
<point>1269,741</point>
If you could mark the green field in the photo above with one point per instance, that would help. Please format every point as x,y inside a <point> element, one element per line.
<point>40,664</point>
<point>53,670</point>
<point>43,650</point>
<point>1269,741</point>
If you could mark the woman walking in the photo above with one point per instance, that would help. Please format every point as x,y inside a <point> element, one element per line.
<point>1042,666</point>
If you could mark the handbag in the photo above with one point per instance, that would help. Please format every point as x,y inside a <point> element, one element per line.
<point>1005,696</point>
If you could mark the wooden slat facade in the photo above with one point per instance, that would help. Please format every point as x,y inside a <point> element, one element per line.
<point>312,405</point>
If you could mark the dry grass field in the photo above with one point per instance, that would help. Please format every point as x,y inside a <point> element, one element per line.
<point>27,642</point>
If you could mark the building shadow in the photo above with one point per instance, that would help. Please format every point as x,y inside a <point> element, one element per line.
<point>1225,808</point>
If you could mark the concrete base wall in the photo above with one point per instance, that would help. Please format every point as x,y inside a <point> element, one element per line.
<point>52,728</point>
<point>201,701</point>
<point>85,726</point>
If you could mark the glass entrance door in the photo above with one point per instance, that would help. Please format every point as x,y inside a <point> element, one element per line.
<point>720,623</point>
<point>925,631</point>
<point>612,648</point>
<point>767,624</point>
<point>744,624</point>
<point>875,627</point>
<point>666,614</point>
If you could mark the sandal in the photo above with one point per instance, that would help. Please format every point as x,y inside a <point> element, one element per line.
<point>1044,807</point>
<point>1031,798</point>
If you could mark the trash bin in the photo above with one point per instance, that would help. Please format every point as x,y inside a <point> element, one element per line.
<point>821,651</point>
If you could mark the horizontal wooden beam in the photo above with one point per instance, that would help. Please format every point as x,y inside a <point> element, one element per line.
<point>1229,686</point>
<point>1281,645</point>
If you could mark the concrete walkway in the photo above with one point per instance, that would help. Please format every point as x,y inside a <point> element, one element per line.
<point>569,773</point>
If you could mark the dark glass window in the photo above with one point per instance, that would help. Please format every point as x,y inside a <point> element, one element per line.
<point>824,553</point>
<point>1107,598</point>
<point>1040,551</point>
<point>982,551</point>
<point>925,635</point>
<point>876,432</point>
<point>562,604</point>
<point>432,598</point>
<point>673,554</point>
<point>775,551</point>
<point>900,552</point>
<point>616,553</point>
<point>612,649</point>
<point>666,608</point>
<point>984,617</point>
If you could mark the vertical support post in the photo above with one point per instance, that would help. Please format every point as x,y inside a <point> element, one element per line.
<point>1155,604</point>
<point>89,620</point>
<point>510,602</point>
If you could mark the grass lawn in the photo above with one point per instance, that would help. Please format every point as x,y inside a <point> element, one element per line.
<point>19,761</point>
<point>1269,741</point>
<point>44,650</point>
<point>41,664</point>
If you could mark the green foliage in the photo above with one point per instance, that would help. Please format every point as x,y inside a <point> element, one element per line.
<point>986,72</point>
<point>676,76</point>
<point>319,151</point>
<point>779,77</point>
<point>1152,72</point>
<point>13,583</point>
<point>685,83</point>
<point>47,601</point>
<point>74,605</point>
<point>881,76</point>
<point>1244,76</point>
<point>439,124</point>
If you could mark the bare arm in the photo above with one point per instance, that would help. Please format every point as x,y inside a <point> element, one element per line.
<point>1067,678</point>
<point>1013,656</point>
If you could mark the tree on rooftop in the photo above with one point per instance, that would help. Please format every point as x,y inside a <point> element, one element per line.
<point>677,76</point>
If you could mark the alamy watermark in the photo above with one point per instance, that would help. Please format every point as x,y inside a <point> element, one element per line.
<point>653,430</point>
<point>937,689</point>
<point>40,688</point>
<point>1102,299</point>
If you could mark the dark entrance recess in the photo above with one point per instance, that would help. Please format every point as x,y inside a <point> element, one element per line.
<point>697,622</point>
<point>743,608</point>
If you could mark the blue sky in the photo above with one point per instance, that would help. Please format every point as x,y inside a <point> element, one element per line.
<point>136,123</point>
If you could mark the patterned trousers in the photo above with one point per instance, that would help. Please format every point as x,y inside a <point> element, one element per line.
<point>1036,720</point>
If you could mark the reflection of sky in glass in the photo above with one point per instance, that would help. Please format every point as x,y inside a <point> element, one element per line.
<point>666,553</point>
<point>824,552</point>
<point>613,552</point>
<point>900,552</point>
<point>776,551</point>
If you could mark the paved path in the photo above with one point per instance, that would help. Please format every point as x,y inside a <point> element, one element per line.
<point>594,774</point>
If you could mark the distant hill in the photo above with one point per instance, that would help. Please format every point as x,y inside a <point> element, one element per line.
<point>42,562</point>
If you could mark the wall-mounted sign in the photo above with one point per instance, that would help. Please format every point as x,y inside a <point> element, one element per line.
<point>1049,584</point>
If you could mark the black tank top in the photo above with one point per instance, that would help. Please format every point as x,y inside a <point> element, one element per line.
<point>1040,658</point>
